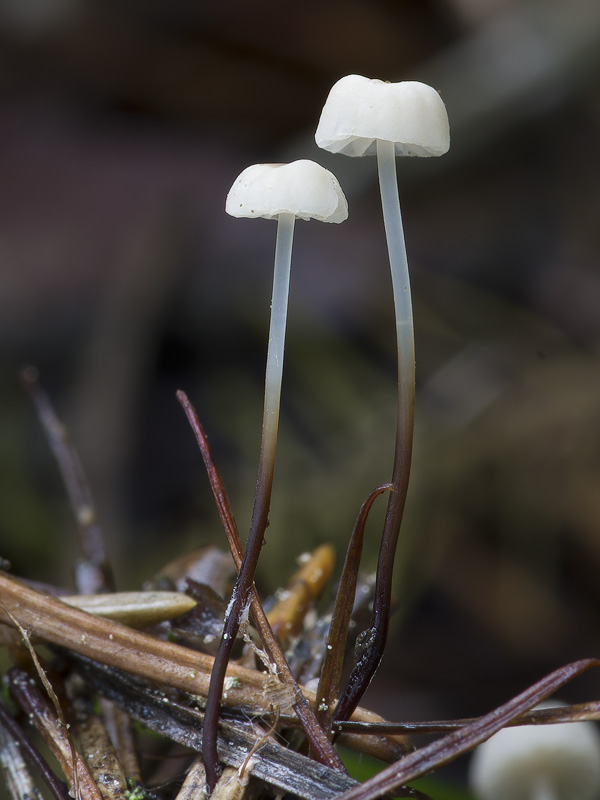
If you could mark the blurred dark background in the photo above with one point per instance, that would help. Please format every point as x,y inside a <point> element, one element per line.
<point>122,127</point>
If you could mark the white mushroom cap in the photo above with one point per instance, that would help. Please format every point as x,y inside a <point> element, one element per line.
<point>560,761</point>
<point>302,188</point>
<point>358,111</point>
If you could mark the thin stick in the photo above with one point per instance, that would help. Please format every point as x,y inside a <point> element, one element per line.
<point>54,732</point>
<point>18,780</point>
<point>580,712</point>
<point>314,733</point>
<point>94,574</point>
<point>262,498</point>
<point>56,787</point>
<point>97,573</point>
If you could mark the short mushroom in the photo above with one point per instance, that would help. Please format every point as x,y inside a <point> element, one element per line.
<point>284,192</point>
<point>371,117</point>
<point>539,762</point>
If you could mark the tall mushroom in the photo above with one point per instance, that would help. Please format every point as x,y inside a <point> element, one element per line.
<point>370,117</point>
<point>285,192</point>
<point>539,762</point>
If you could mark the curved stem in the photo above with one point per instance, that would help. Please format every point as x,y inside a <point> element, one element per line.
<point>374,639</point>
<point>262,499</point>
<point>335,647</point>
<point>394,232</point>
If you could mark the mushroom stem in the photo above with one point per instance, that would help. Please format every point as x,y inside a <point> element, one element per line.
<point>374,639</point>
<point>276,191</point>
<point>274,370</point>
<point>392,217</point>
<point>262,499</point>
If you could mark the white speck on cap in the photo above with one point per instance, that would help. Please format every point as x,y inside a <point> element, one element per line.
<point>302,188</point>
<point>359,111</point>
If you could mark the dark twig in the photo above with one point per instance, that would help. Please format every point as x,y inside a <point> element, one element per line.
<point>314,733</point>
<point>15,770</point>
<point>331,672</point>
<point>440,752</point>
<point>580,712</point>
<point>54,731</point>
<point>56,787</point>
<point>95,574</point>
<point>371,645</point>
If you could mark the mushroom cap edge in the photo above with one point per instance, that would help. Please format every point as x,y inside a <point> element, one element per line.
<point>359,111</point>
<point>302,188</point>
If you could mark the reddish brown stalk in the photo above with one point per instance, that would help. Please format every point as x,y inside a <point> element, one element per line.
<point>446,749</point>
<point>314,733</point>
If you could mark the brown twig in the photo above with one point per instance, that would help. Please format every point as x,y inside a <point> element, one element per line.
<point>56,787</point>
<point>580,712</point>
<point>120,730</point>
<point>55,733</point>
<point>118,645</point>
<point>93,574</point>
<point>94,742</point>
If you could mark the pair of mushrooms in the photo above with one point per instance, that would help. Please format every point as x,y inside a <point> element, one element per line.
<point>360,117</point>
<point>370,117</point>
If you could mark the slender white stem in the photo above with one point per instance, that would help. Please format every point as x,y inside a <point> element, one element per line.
<point>370,656</point>
<point>262,498</point>
<point>386,165</point>
<point>392,217</point>
<point>394,232</point>
<point>274,370</point>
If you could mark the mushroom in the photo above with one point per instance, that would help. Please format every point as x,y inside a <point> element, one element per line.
<point>302,190</point>
<point>367,117</point>
<point>539,762</point>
